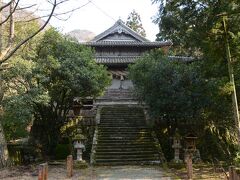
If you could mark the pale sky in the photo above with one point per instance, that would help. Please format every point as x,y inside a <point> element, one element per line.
<point>100,17</point>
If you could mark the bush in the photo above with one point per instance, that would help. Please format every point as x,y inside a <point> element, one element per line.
<point>62,151</point>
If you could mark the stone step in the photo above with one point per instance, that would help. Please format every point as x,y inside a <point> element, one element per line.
<point>124,141</point>
<point>120,132</point>
<point>123,133</point>
<point>126,156</point>
<point>132,119</point>
<point>120,136</point>
<point>109,113</point>
<point>126,124</point>
<point>126,152</point>
<point>147,162</point>
<point>124,115</point>
<point>123,137</point>
<point>120,126</point>
<point>112,119</point>
<point>127,160</point>
<point>135,138</point>
<point>126,145</point>
<point>139,128</point>
<point>122,119</point>
<point>121,114</point>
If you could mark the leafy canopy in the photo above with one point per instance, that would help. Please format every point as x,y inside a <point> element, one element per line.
<point>135,23</point>
<point>47,83</point>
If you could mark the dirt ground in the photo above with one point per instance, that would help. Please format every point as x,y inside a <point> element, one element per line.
<point>109,173</point>
<point>201,171</point>
<point>91,173</point>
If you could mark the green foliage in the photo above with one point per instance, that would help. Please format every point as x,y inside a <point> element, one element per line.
<point>195,27</point>
<point>237,159</point>
<point>173,90</point>
<point>215,146</point>
<point>18,112</point>
<point>47,84</point>
<point>180,96</point>
<point>62,151</point>
<point>135,23</point>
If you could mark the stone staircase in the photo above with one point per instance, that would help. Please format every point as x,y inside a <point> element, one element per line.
<point>123,138</point>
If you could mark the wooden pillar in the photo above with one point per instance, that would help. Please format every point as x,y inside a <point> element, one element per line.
<point>69,166</point>
<point>43,171</point>
<point>189,167</point>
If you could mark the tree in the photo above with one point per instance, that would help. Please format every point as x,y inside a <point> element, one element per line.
<point>135,23</point>
<point>179,96</point>
<point>10,17</point>
<point>173,90</point>
<point>60,71</point>
<point>196,28</point>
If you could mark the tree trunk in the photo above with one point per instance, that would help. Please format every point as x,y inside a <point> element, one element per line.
<point>4,158</point>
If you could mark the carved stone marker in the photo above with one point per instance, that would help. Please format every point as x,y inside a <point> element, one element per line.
<point>69,166</point>
<point>43,171</point>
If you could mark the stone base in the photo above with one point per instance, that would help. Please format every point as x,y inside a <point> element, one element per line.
<point>80,164</point>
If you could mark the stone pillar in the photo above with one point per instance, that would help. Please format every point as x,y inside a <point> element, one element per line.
<point>69,166</point>
<point>189,166</point>
<point>43,171</point>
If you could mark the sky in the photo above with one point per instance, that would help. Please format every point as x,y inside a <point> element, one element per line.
<point>102,14</point>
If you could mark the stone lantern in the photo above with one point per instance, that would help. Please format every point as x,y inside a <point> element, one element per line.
<point>78,143</point>
<point>190,145</point>
<point>177,146</point>
<point>190,141</point>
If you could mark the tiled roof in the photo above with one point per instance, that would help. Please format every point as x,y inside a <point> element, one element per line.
<point>119,27</point>
<point>132,59</point>
<point>128,43</point>
<point>116,59</point>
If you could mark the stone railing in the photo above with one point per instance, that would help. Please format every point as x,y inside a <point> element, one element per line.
<point>94,142</point>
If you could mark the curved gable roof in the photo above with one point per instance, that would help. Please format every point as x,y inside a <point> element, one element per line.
<point>120,28</point>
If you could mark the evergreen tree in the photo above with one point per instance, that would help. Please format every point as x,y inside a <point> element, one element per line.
<point>135,23</point>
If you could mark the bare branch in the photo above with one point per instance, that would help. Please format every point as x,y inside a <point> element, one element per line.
<point>63,1</point>
<point>57,14</point>
<point>11,12</point>
<point>26,7</point>
<point>4,6</point>
<point>12,51</point>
